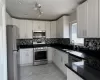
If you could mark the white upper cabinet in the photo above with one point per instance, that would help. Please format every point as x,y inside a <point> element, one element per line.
<point>93,17</point>
<point>38,25</point>
<point>53,29</point>
<point>42,25</point>
<point>29,29</point>
<point>35,25</point>
<point>65,26</point>
<point>27,26</point>
<point>62,29</point>
<point>59,28</point>
<point>88,19</point>
<point>82,20</point>
<point>47,25</point>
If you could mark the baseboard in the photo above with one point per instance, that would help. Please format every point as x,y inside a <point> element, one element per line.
<point>30,64</point>
<point>59,69</point>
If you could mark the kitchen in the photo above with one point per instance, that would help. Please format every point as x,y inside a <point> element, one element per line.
<point>54,42</point>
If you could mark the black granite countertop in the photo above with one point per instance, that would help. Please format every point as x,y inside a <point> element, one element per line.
<point>84,71</point>
<point>71,52</point>
<point>59,47</point>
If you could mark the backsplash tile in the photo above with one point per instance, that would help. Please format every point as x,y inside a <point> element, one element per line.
<point>47,41</point>
<point>64,41</point>
<point>24,41</point>
<point>92,43</point>
<point>51,41</point>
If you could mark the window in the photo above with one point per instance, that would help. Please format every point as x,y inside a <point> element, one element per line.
<point>74,38</point>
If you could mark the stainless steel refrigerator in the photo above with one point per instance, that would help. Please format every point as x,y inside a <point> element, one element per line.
<point>12,52</point>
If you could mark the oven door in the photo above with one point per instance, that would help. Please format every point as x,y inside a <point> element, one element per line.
<point>40,55</point>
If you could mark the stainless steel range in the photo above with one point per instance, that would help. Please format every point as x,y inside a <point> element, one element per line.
<point>40,56</point>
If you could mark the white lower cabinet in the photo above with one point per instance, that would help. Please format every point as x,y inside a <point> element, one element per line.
<point>49,55</point>
<point>26,56</point>
<point>72,76</point>
<point>60,59</point>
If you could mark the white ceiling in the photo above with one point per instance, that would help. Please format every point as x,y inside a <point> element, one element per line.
<point>52,9</point>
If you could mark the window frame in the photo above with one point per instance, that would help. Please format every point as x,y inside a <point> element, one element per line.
<point>70,34</point>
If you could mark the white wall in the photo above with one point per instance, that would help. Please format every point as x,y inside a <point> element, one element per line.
<point>3,50</point>
<point>73,17</point>
<point>8,19</point>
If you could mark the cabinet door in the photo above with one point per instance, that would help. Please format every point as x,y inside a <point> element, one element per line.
<point>82,20</point>
<point>93,15</point>
<point>30,56</point>
<point>65,61</point>
<point>47,24</point>
<point>26,56</point>
<point>38,25</point>
<point>58,29</point>
<point>72,76</point>
<point>53,29</point>
<point>35,25</point>
<point>42,26</point>
<point>53,55</point>
<point>58,59</point>
<point>23,57</point>
<point>22,28</point>
<point>49,54</point>
<point>28,29</point>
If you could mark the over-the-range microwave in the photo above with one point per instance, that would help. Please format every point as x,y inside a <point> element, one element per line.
<point>39,34</point>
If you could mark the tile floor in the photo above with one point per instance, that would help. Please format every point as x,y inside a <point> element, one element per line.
<point>42,72</point>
